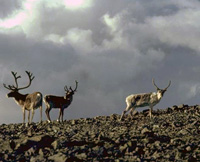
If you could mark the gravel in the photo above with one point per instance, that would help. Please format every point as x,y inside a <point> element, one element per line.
<point>173,134</point>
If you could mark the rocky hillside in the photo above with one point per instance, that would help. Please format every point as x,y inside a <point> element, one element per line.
<point>172,135</point>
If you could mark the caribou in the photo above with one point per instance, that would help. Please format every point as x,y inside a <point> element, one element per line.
<point>60,102</point>
<point>28,102</point>
<point>144,99</point>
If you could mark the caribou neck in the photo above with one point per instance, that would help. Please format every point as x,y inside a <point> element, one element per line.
<point>20,98</point>
<point>159,95</point>
<point>71,98</point>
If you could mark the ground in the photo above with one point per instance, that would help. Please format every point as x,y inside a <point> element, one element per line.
<point>173,134</point>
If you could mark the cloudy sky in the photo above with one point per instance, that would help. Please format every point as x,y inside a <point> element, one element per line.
<point>112,47</point>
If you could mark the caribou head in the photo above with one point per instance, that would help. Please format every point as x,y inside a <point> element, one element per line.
<point>161,91</point>
<point>14,89</point>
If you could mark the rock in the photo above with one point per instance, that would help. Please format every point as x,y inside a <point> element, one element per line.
<point>30,152</point>
<point>169,110</point>
<point>36,158</point>
<point>183,132</point>
<point>135,113</point>
<point>41,152</point>
<point>140,150</point>
<point>114,116</point>
<point>188,148</point>
<point>145,130</point>
<point>174,108</point>
<point>30,132</point>
<point>56,129</point>
<point>181,106</point>
<point>24,146</point>
<point>169,136</point>
<point>177,124</point>
<point>74,122</point>
<point>123,148</point>
<point>4,156</point>
<point>81,156</point>
<point>146,111</point>
<point>178,155</point>
<point>156,155</point>
<point>157,143</point>
<point>36,141</point>
<point>192,159</point>
<point>156,127</point>
<point>12,144</point>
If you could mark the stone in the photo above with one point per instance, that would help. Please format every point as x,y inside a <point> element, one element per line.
<point>135,113</point>
<point>174,108</point>
<point>183,132</point>
<point>169,110</point>
<point>81,156</point>
<point>12,144</point>
<point>145,130</point>
<point>36,158</point>
<point>156,127</point>
<point>146,111</point>
<point>30,132</point>
<point>55,144</point>
<point>156,155</point>
<point>30,152</point>
<point>74,122</point>
<point>181,106</point>
<point>167,137</point>
<point>188,148</point>
<point>114,116</point>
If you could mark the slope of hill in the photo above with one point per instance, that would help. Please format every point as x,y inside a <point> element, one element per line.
<point>172,135</point>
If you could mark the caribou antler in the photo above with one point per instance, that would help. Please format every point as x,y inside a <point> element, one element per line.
<point>75,87</point>
<point>155,84</point>
<point>168,85</point>
<point>159,88</point>
<point>16,77</point>
<point>9,87</point>
<point>66,89</point>
<point>12,87</point>
<point>31,77</point>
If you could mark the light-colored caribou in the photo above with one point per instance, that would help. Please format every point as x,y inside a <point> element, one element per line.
<point>28,102</point>
<point>60,102</point>
<point>144,99</point>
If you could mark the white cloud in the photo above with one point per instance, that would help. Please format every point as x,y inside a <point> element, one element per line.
<point>80,40</point>
<point>180,29</point>
<point>111,22</point>
<point>113,48</point>
<point>77,4</point>
<point>190,89</point>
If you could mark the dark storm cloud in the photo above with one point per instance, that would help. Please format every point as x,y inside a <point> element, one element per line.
<point>8,6</point>
<point>113,48</point>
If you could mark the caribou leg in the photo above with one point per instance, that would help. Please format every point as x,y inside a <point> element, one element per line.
<point>126,110</point>
<point>33,112</point>
<point>40,113</point>
<point>28,116</point>
<point>60,114</point>
<point>24,114</point>
<point>48,109</point>
<point>150,111</point>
